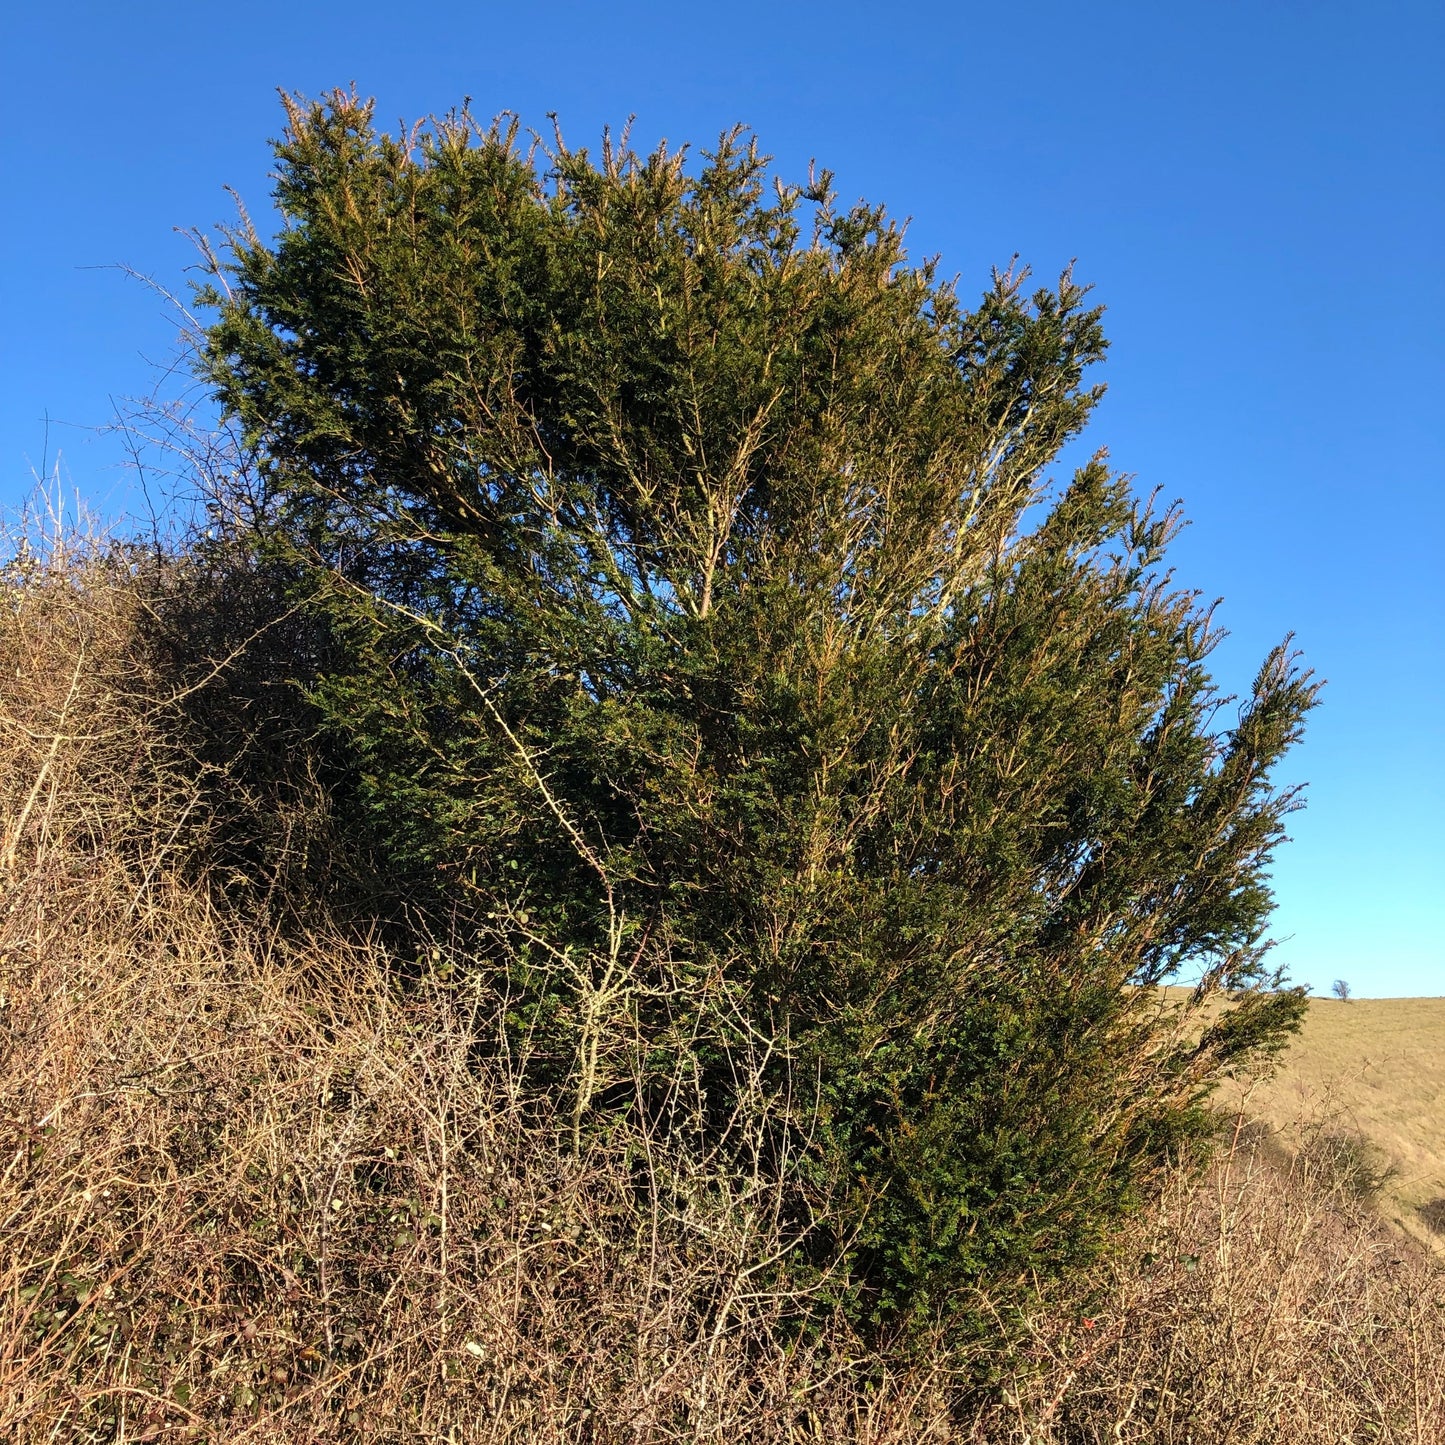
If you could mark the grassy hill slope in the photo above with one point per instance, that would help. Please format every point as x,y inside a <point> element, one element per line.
<point>1374,1069</point>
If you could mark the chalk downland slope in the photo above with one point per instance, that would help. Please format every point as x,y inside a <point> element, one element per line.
<point>1371,1071</point>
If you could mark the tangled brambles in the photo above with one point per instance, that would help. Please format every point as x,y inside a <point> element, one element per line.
<point>260,1183</point>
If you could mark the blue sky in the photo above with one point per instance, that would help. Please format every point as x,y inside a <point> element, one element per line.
<point>1256,191</point>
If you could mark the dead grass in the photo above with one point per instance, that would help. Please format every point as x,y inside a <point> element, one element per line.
<point>254,1193</point>
<point>253,1189</point>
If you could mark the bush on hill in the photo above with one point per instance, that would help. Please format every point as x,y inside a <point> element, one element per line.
<point>692,637</point>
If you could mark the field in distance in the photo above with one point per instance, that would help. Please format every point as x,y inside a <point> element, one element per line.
<point>1371,1071</point>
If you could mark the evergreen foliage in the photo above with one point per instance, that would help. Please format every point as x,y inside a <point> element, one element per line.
<point>703,638</point>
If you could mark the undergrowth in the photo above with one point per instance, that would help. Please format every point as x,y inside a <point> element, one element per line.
<point>259,1184</point>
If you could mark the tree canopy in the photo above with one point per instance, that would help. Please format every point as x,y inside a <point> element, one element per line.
<point>704,638</point>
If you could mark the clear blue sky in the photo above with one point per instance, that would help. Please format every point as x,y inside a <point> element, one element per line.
<point>1254,188</point>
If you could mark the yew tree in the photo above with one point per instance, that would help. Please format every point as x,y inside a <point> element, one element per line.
<point>709,642</point>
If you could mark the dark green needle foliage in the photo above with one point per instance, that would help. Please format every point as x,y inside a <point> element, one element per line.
<point>706,642</point>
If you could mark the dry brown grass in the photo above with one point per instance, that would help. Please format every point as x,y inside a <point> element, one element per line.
<point>253,1189</point>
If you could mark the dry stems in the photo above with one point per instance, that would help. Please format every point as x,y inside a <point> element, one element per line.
<point>253,1188</point>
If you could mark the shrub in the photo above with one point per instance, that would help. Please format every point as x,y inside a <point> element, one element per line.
<point>259,1185</point>
<point>1345,1159</point>
<point>704,649</point>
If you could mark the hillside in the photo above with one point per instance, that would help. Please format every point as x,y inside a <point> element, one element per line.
<point>1376,1068</point>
